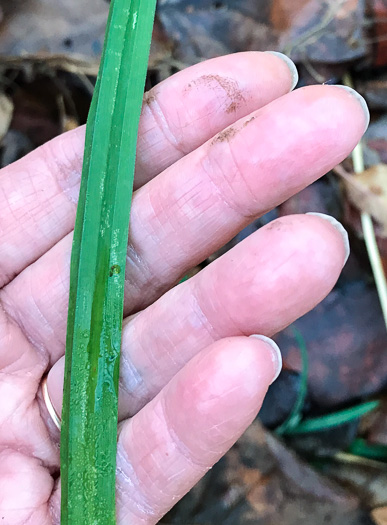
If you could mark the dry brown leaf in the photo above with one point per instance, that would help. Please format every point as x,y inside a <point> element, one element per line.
<point>368,192</point>
<point>326,31</point>
<point>6,112</point>
<point>261,482</point>
<point>67,28</point>
<point>65,34</point>
<point>380,516</point>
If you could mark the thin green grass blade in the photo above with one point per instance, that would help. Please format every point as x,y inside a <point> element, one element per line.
<point>333,420</point>
<point>89,415</point>
<point>296,414</point>
<point>360,447</point>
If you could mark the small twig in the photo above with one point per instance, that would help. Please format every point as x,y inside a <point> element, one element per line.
<point>314,34</point>
<point>376,262</point>
<point>369,232</point>
<point>351,459</point>
<point>312,71</point>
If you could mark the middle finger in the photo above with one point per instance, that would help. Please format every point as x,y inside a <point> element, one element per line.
<point>259,287</point>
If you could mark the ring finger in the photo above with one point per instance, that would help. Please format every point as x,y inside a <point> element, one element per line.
<point>260,286</point>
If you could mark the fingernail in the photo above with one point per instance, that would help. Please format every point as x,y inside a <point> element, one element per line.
<point>339,227</point>
<point>361,101</point>
<point>275,353</point>
<point>291,65</point>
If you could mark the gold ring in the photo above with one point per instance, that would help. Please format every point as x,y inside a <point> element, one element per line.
<point>49,405</point>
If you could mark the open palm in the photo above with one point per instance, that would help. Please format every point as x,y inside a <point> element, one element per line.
<point>219,144</point>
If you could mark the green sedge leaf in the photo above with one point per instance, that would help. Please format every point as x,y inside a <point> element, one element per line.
<point>89,414</point>
<point>319,424</point>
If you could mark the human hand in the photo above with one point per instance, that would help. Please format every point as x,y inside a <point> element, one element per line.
<point>192,379</point>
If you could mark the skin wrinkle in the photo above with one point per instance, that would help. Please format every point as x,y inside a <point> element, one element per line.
<point>9,418</point>
<point>207,165</point>
<point>12,321</point>
<point>203,298</point>
<point>138,276</point>
<point>8,294</point>
<point>132,382</point>
<point>63,284</point>
<point>22,411</point>
<point>163,125</point>
<point>152,226</point>
<point>169,268</point>
<point>171,438</point>
<point>190,209</point>
<point>51,168</point>
<point>152,363</point>
<point>17,456</point>
<point>5,275</point>
<point>185,202</point>
<point>249,416</point>
<point>40,315</point>
<point>204,320</point>
<point>34,217</point>
<point>13,364</point>
<point>168,338</point>
<point>238,175</point>
<point>181,447</point>
<point>31,519</point>
<point>70,168</point>
<point>135,260</point>
<point>140,498</point>
<point>47,440</point>
<point>128,478</point>
<point>5,328</point>
<point>54,510</point>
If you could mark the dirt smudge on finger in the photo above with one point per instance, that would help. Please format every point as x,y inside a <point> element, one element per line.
<point>148,99</point>
<point>222,85</point>
<point>248,121</point>
<point>224,136</point>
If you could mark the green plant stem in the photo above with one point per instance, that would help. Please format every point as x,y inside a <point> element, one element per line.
<point>296,414</point>
<point>360,447</point>
<point>97,276</point>
<point>341,417</point>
